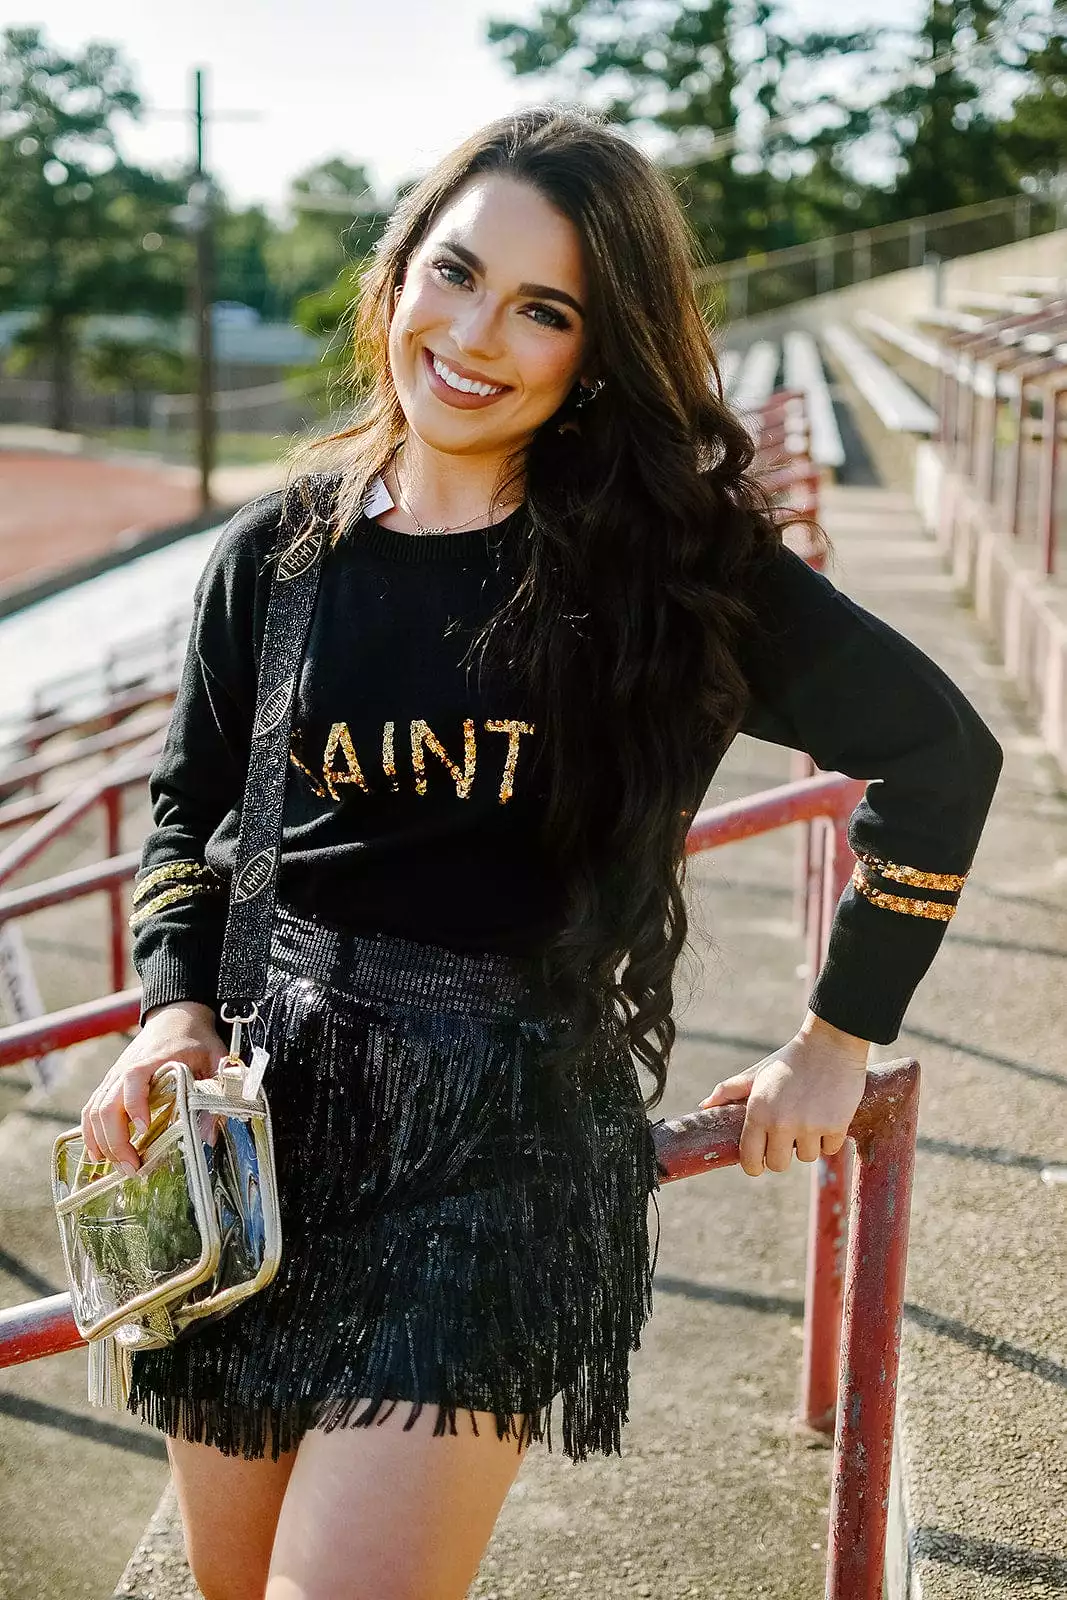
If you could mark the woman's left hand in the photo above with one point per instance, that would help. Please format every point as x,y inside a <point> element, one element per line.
<point>803,1095</point>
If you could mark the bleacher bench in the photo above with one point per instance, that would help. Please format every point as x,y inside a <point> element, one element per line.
<point>895,405</point>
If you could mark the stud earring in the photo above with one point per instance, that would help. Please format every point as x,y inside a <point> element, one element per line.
<point>587,392</point>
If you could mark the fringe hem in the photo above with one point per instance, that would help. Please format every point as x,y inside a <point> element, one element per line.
<point>279,1430</point>
<point>452,1236</point>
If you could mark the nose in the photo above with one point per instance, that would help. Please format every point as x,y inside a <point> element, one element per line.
<point>476,329</point>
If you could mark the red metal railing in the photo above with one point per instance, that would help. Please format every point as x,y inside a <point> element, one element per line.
<point>825,803</point>
<point>860,1293</point>
<point>883,1131</point>
<point>55,818</point>
<point>995,371</point>
<point>854,1285</point>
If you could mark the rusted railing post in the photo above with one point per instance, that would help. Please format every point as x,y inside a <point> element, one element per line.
<point>806,863</point>
<point>1048,487</point>
<point>830,1175</point>
<point>884,1132</point>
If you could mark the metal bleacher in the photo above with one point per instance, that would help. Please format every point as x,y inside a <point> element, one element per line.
<point>804,372</point>
<point>894,402</point>
<point>755,381</point>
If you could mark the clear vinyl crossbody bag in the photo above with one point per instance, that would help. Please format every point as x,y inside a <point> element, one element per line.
<point>196,1230</point>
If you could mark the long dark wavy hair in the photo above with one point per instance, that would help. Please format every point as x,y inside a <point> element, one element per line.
<point>643,524</point>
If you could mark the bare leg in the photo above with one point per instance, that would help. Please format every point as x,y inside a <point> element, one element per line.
<point>377,1513</point>
<point>229,1510</point>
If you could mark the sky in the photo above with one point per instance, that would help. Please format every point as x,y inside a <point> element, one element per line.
<point>393,84</point>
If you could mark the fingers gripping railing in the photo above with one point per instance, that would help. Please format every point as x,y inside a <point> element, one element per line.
<point>824,803</point>
<point>883,1131</point>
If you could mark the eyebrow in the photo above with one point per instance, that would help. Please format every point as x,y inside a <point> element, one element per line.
<point>543,291</point>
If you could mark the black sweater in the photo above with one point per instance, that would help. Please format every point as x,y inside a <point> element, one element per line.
<point>412,805</point>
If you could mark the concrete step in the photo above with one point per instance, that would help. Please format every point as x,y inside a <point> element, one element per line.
<point>982,1471</point>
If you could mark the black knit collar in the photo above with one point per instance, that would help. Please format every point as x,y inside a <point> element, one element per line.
<point>424,547</point>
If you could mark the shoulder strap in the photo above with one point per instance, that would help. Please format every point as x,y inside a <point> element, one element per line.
<point>253,884</point>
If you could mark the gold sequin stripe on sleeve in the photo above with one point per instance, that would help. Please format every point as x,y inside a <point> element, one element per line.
<point>951,882</point>
<point>172,870</point>
<point>932,910</point>
<point>170,896</point>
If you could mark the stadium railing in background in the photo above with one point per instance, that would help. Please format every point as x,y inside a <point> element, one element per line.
<point>780,278</point>
<point>993,492</point>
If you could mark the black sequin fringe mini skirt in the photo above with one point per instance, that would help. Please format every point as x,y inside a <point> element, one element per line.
<point>456,1231</point>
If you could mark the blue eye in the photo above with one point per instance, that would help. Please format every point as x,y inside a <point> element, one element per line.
<point>449,266</point>
<point>555,319</point>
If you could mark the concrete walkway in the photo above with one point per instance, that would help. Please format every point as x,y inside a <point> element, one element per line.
<point>717,1494</point>
<point>982,1422</point>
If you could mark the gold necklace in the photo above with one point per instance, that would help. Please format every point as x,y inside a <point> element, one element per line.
<point>418,525</point>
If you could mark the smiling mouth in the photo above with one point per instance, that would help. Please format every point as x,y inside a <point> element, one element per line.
<point>464,387</point>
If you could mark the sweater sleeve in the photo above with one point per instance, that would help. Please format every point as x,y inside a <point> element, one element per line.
<point>180,897</point>
<point>831,679</point>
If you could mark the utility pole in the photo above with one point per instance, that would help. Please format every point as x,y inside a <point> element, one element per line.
<point>197,217</point>
<point>201,201</point>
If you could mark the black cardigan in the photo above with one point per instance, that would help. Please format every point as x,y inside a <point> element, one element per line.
<point>412,804</point>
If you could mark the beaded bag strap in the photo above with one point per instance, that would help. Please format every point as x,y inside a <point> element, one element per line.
<point>253,883</point>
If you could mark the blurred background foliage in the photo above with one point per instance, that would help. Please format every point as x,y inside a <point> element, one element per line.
<point>774,134</point>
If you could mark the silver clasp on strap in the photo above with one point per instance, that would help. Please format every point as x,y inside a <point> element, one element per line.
<point>238,1019</point>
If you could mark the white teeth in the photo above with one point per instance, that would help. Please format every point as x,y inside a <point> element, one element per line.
<point>465,385</point>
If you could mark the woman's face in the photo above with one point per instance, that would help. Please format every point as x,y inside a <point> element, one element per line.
<point>496,292</point>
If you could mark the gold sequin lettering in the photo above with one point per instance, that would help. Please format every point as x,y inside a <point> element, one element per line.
<point>514,731</point>
<point>309,775</point>
<point>389,757</point>
<point>422,735</point>
<point>340,737</point>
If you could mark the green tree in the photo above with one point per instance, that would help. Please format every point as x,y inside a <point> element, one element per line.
<point>80,230</point>
<point>684,74</point>
<point>336,220</point>
<point>243,243</point>
<point>777,133</point>
<point>948,152</point>
<point>332,381</point>
<point>1034,137</point>
<point>136,367</point>
<point>916,128</point>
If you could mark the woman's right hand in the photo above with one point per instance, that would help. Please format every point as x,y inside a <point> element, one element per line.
<point>184,1030</point>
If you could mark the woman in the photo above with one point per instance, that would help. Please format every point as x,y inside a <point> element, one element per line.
<point>553,595</point>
